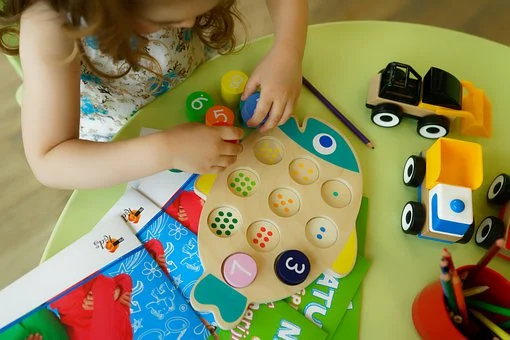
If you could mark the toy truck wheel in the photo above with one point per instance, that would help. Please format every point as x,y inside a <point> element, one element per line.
<point>489,230</point>
<point>433,126</point>
<point>414,171</point>
<point>468,234</point>
<point>499,190</point>
<point>413,218</point>
<point>386,115</point>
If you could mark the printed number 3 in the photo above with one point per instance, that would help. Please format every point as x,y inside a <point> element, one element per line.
<point>295,266</point>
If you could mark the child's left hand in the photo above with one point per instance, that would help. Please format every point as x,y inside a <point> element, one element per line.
<point>279,76</point>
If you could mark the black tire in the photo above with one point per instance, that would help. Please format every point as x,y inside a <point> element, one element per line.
<point>386,115</point>
<point>499,190</point>
<point>414,171</point>
<point>433,126</point>
<point>413,218</point>
<point>468,234</point>
<point>489,230</point>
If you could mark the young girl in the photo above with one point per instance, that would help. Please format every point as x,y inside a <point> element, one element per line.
<point>89,65</point>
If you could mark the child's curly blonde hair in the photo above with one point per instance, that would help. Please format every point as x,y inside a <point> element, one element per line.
<point>111,23</point>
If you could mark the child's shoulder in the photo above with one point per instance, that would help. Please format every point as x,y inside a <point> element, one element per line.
<point>42,13</point>
<point>41,27</point>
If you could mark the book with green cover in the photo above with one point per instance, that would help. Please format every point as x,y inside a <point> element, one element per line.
<point>350,323</point>
<point>275,320</point>
<point>326,300</point>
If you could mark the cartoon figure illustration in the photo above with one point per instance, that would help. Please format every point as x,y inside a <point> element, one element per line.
<point>42,324</point>
<point>98,309</point>
<point>164,303</point>
<point>186,208</point>
<point>156,250</point>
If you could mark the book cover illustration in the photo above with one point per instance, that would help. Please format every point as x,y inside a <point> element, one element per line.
<point>179,242</point>
<point>106,285</point>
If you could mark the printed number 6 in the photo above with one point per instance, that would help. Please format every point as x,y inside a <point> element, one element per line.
<point>294,267</point>
<point>197,104</point>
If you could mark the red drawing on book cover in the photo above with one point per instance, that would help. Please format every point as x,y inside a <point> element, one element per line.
<point>98,309</point>
<point>156,250</point>
<point>186,208</point>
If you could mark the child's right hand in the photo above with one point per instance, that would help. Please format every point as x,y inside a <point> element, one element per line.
<point>197,148</point>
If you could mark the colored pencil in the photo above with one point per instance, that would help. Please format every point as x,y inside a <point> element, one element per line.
<point>505,324</point>
<point>484,261</point>
<point>448,257</point>
<point>444,266</point>
<point>475,290</point>
<point>459,296</point>
<point>446,283</point>
<point>338,114</point>
<point>490,325</point>
<point>489,307</point>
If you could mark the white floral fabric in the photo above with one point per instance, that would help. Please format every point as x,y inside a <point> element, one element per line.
<point>106,105</point>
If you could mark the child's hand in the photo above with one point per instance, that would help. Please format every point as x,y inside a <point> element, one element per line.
<point>279,76</point>
<point>197,148</point>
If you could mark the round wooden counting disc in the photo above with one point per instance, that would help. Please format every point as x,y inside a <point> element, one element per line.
<point>239,270</point>
<point>219,115</point>
<point>197,105</point>
<point>292,267</point>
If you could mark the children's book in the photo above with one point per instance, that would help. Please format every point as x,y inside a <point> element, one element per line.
<point>329,297</point>
<point>106,285</point>
<point>275,320</point>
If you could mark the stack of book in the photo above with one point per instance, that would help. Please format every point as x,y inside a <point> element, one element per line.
<point>132,275</point>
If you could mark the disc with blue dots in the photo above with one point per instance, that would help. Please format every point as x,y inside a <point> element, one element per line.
<point>321,232</point>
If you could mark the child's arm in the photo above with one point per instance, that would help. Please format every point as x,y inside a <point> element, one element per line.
<point>279,73</point>
<point>51,114</point>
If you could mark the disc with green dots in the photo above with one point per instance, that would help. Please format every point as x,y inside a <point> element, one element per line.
<point>243,183</point>
<point>224,222</point>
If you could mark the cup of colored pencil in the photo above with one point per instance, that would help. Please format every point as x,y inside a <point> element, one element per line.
<point>469,302</point>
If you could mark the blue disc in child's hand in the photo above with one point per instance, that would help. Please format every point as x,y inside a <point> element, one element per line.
<point>248,108</point>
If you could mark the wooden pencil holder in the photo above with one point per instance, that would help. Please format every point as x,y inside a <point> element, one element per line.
<point>431,316</point>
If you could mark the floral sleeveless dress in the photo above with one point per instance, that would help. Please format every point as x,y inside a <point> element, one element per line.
<point>107,104</point>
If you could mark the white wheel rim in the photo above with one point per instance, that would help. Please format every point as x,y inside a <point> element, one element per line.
<point>498,180</point>
<point>441,131</point>
<point>407,176</point>
<point>408,208</point>
<point>393,121</point>
<point>487,223</point>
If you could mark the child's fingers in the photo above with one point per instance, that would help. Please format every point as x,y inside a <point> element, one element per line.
<point>261,111</point>
<point>250,87</point>
<point>231,149</point>
<point>289,109</point>
<point>230,132</point>
<point>274,117</point>
<point>224,161</point>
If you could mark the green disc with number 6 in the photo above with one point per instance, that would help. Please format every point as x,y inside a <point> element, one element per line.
<point>197,105</point>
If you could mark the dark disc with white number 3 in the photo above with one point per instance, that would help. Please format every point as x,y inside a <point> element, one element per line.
<point>292,267</point>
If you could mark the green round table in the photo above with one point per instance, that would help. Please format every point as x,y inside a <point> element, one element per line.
<point>340,58</point>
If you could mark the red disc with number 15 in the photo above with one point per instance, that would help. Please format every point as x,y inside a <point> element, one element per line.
<point>219,114</point>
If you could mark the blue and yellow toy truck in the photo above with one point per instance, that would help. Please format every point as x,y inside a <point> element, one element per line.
<point>445,175</point>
